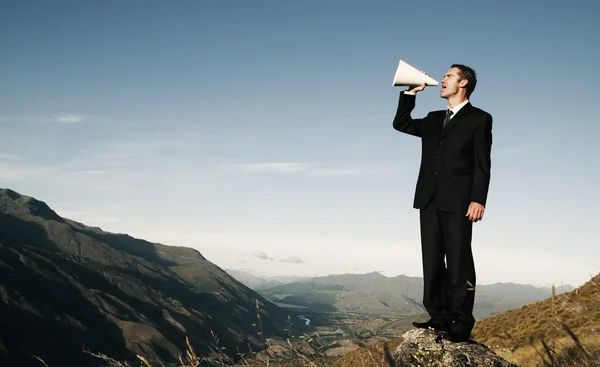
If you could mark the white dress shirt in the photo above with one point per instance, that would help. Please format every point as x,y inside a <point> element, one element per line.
<point>457,108</point>
<point>454,110</point>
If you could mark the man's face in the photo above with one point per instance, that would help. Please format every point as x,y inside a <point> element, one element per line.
<point>451,83</point>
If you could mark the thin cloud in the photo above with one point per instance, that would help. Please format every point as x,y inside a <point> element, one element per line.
<point>70,118</point>
<point>9,118</point>
<point>513,150</point>
<point>9,157</point>
<point>260,255</point>
<point>351,171</point>
<point>275,167</point>
<point>98,166</point>
<point>293,259</point>
<point>311,169</point>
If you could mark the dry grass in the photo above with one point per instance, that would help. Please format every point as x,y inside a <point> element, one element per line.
<point>377,355</point>
<point>189,359</point>
<point>562,330</point>
<point>579,310</point>
<point>564,351</point>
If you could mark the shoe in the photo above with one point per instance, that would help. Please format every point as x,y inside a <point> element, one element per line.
<point>436,325</point>
<point>457,337</point>
<point>458,334</point>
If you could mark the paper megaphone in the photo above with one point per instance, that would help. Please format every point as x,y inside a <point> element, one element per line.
<point>410,76</point>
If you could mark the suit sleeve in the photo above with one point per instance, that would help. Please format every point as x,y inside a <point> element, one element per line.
<point>482,160</point>
<point>403,121</point>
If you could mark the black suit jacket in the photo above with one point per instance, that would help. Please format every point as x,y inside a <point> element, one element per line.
<point>455,160</point>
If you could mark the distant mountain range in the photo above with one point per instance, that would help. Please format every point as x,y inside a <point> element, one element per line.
<point>377,295</point>
<point>257,283</point>
<point>66,287</point>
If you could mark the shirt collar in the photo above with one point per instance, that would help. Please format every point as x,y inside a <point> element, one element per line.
<point>458,107</point>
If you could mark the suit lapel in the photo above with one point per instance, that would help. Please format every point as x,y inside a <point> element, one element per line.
<point>459,116</point>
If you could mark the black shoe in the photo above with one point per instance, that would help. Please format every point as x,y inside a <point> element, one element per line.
<point>458,334</point>
<point>436,325</point>
<point>459,337</point>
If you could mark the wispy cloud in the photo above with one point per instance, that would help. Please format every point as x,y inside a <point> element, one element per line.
<point>95,168</point>
<point>9,118</point>
<point>13,172</point>
<point>312,169</point>
<point>293,259</point>
<point>513,150</point>
<point>9,157</point>
<point>70,118</point>
<point>350,171</point>
<point>261,255</point>
<point>275,167</point>
<point>63,118</point>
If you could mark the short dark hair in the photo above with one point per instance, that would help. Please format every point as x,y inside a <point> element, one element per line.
<point>468,74</point>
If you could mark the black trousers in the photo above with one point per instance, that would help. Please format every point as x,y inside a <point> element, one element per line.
<point>448,296</point>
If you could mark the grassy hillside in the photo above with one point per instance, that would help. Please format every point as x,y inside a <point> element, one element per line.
<point>567,325</point>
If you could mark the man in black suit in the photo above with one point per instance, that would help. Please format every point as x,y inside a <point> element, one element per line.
<point>451,193</point>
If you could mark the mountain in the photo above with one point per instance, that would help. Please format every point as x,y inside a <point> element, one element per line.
<point>496,298</point>
<point>520,291</point>
<point>377,295</point>
<point>370,294</point>
<point>257,283</point>
<point>66,287</point>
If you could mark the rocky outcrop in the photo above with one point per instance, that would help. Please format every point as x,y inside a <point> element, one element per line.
<point>421,347</point>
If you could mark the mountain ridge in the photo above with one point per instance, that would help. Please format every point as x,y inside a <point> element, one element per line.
<point>398,295</point>
<point>293,278</point>
<point>113,293</point>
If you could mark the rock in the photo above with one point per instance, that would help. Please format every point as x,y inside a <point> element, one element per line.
<point>422,347</point>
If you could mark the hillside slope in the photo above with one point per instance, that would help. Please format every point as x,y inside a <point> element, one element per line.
<point>578,310</point>
<point>65,286</point>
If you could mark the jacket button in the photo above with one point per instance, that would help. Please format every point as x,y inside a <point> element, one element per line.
<point>436,173</point>
<point>438,158</point>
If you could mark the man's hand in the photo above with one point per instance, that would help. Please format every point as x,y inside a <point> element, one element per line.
<point>475,212</point>
<point>418,89</point>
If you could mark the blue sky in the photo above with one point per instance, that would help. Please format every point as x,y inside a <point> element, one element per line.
<point>260,132</point>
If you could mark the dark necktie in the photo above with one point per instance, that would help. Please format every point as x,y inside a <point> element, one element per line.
<point>447,118</point>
